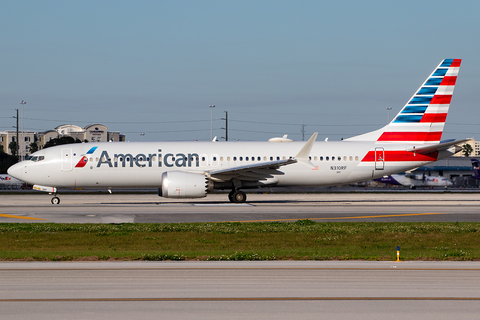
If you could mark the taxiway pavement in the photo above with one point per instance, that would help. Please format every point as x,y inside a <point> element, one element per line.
<point>144,208</point>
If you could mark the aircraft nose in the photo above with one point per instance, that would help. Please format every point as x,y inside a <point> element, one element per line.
<point>16,171</point>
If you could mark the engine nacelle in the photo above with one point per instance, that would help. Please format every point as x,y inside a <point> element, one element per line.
<point>180,184</point>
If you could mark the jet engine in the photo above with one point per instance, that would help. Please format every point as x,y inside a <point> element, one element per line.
<point>180,184</point>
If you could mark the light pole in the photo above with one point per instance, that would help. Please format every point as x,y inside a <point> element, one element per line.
<point>211,121</point>
<point>388,114</point>
<point>23,135</point>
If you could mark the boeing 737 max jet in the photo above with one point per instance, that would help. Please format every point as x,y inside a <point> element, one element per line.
<point>192,169</point>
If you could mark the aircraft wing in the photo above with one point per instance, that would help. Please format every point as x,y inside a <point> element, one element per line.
<point>439,147</point>
<point>252,172</point>
<point>264,170</point>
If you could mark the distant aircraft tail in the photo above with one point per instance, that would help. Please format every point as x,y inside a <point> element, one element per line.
<point>423,117</point>
<point>476,169</point>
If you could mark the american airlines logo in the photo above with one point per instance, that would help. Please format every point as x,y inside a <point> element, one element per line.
<point>142,160</point>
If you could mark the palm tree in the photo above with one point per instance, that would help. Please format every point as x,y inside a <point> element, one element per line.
<point>33,147</point>
<point>13,148</point>
<point>467,149</point>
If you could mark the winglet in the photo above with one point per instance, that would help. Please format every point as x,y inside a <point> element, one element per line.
<point>305,152</point>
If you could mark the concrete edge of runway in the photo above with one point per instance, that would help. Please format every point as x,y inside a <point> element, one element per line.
<point>281,264</point>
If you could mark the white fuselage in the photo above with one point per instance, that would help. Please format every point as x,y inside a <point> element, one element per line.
<point>141,164</point>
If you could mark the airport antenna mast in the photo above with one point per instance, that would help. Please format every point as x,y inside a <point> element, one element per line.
<point>303,131</point>
<point>18,155</point>
<point>226,126</point>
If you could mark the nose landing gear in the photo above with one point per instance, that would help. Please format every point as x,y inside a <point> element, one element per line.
<point>55,200</point>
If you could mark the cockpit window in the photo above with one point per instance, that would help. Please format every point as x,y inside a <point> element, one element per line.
<point>35,158</point>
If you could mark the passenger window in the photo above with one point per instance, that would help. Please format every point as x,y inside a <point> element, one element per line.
<point>234,158</point>
<point>241,158</point>
<point>351,158</point>
<point>271,158</point>
<point>333,158</point>
<point>356,158</point>
<point>228,158</point>
<point>246,158</point>
<point>321,158</point>
<point>327,158</point>
<point>221,158</point>
<point>315,158</point>
<point>259,158</point>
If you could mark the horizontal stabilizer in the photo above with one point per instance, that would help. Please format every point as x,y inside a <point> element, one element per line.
<point>439,147</point>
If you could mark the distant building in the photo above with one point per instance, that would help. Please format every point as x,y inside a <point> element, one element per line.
<point>91,133</point>
<point>44,137</point>
<point>457,169</point>
<point>6,137</point>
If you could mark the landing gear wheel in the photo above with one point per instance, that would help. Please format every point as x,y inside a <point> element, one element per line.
<point>237,197</point>
<point>230,196</point>
<point>55,200</point>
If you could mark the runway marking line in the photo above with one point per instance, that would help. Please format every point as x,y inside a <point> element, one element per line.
<point>403,268</point>
<point>248,299</point>
<point>343,218</point>
<point>19,217</point>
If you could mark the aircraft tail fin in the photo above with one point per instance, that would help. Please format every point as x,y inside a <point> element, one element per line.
<point>476,169</point>
<point>422,119</point>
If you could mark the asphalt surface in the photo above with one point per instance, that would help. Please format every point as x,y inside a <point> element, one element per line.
<point>239,290</point>
<point>145,208</point>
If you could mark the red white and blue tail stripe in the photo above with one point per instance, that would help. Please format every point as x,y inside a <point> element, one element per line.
<point>423,117</point>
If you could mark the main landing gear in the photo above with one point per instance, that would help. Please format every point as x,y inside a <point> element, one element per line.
<point>237,196</point>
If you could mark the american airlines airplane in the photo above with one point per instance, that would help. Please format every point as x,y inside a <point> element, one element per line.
<point>193,169</point>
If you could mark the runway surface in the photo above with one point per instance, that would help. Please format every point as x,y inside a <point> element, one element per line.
<point>239,290</point>
<point>143,208</point>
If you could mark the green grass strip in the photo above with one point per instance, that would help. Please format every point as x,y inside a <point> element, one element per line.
<point>302,240</point>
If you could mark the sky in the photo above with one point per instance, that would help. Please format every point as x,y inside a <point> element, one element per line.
<point>155,67</point>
